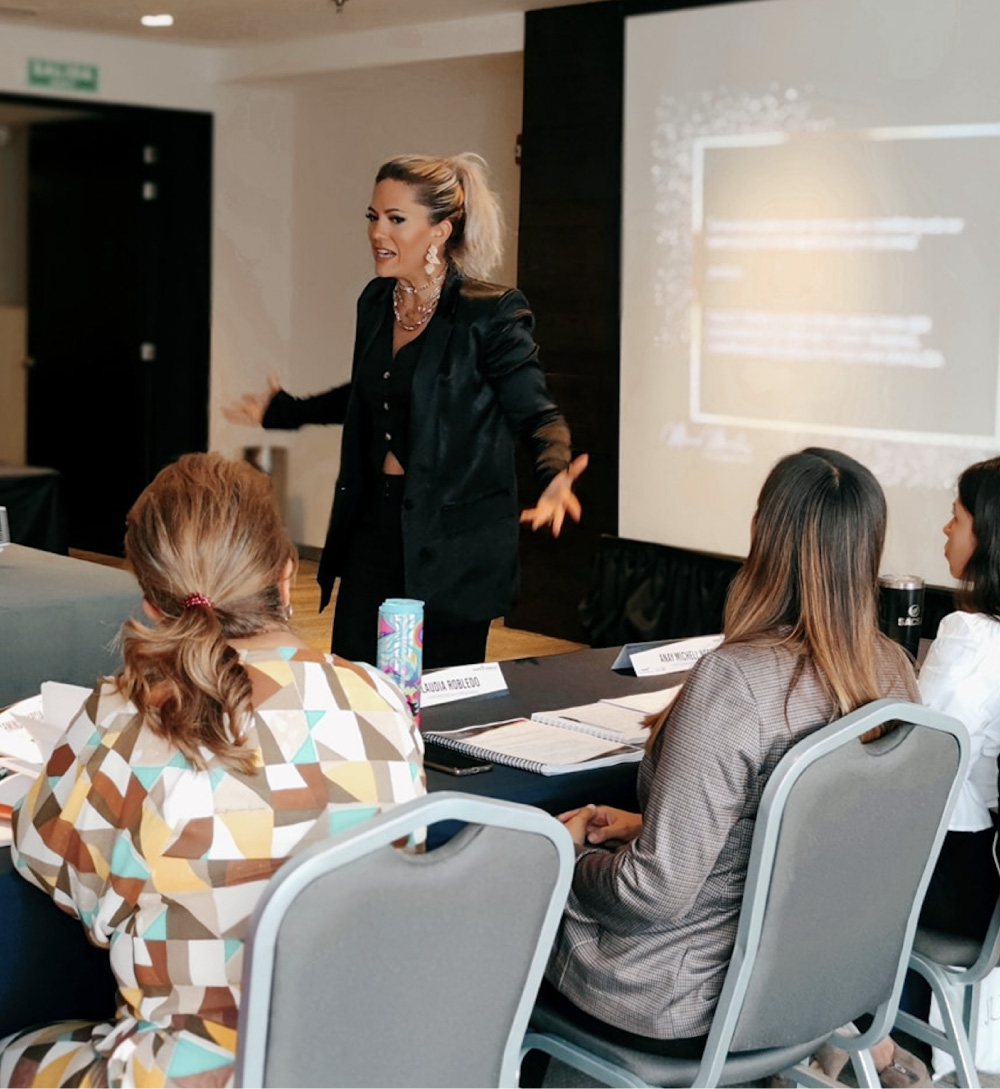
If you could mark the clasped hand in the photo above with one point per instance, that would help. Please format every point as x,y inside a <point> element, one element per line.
<point>596,824</point>
<point>558,499</point>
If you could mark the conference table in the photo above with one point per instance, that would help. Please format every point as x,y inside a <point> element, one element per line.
<point>58,619</point>
<point>545,684</point>
<point>40,944</point>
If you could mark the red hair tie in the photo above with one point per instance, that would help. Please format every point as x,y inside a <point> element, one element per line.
<point>193,600</point>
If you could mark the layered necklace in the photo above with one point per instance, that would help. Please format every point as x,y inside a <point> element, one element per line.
<point>420,312</point>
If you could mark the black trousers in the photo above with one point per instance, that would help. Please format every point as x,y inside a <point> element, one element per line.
<point>964,887</point>
<point>960,900</point>
<point>373,571</point>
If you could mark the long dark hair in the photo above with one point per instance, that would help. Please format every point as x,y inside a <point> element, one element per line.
<point>810,582</point>
<point>979,493</point>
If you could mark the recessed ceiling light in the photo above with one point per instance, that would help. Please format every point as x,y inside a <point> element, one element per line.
<point>157,20</point>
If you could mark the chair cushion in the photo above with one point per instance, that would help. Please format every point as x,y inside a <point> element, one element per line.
<point>740,1069</point>
<point>949,949</point>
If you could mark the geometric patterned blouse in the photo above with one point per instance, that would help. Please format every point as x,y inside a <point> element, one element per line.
<point>164,862</point>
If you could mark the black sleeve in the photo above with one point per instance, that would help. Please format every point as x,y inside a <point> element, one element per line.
<point>511,366</point>
<point>287,413</point>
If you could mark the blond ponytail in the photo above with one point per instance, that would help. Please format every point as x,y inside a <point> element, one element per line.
<point>208,548</point>
<point>482,243</point>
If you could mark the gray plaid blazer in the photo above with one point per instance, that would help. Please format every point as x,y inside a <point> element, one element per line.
<point>649,928</point>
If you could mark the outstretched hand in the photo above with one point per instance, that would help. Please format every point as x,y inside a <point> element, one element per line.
<point>250,408</point>
<point>558,500</point>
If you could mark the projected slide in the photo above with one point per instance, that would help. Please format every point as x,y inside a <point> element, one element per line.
<point>810,256</point>
<point>845,264</point>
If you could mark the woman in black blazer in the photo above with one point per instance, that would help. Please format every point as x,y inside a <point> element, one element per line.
<point>445,379</point>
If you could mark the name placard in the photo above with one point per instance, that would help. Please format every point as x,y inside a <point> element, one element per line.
<point>461,682</point>
<point>673,657</point>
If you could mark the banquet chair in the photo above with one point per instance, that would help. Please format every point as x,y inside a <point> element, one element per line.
<point>954,967</point>
<point>366,965</point>
<point>845,840</point>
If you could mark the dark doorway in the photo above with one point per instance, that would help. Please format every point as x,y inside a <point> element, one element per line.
<point>118,298</point>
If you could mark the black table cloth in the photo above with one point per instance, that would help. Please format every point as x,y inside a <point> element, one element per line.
<point>36,509</point>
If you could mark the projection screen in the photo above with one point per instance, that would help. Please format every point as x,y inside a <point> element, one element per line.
<point>810,256</point>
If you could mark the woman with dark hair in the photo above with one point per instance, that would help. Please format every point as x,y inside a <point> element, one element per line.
<point>961,677</point>
<point>649,927</point>
<point>445,378</point>
<point>224,746</point>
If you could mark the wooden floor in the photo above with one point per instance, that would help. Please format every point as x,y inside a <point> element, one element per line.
<point>504,643</point>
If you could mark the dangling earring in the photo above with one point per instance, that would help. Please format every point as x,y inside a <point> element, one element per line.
<point>431,260</point>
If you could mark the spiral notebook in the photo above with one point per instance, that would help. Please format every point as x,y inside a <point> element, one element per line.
<point>537,746</point>
<point>618,718</point>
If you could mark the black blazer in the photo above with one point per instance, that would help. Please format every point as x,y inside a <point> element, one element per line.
<point>477,387</point>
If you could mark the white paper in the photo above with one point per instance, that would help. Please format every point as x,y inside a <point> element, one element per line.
<point>649,703</point>
<point>546,744</point>
<point>30,728</point>
<point>610,717</point>
<point>461,682</point>
<point>17,726</point>
<point>22,767</point>
<point>673,657</point>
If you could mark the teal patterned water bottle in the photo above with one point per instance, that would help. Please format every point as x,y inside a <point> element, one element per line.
<point>400,650</point>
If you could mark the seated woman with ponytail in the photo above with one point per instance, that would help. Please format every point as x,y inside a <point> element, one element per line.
<point>224,746</point>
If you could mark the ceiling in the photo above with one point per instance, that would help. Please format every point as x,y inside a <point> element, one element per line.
<point>231,22</point>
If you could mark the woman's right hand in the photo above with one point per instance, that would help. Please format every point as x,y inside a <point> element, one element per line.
<point>250,408</point>
<point>607,824</point>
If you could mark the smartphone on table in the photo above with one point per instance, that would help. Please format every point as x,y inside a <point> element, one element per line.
<point>448,760</point>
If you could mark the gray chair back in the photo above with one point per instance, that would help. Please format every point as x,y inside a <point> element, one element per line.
<point>846,838</point>
<point>372,966</point>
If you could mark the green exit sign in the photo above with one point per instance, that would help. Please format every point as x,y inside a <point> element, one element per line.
<point>62,75</point>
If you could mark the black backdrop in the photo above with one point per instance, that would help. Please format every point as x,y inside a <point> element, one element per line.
<point>568,266</point>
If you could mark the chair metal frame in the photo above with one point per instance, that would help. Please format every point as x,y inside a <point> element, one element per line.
<point>386,829</point>
<point>956,988</point>
<point>712,1069</point>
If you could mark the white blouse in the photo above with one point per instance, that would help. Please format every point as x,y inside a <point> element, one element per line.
<point>961,677</point>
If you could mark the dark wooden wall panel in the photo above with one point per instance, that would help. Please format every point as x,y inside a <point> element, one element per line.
<point>568,266</point>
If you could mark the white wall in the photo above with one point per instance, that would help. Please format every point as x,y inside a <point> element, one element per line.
<point>345,125</point>
<point>447,39</point>
<point>131,71</point>
<point>300,129</point>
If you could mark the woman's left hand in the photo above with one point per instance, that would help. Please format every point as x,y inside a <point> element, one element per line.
<point>558,499</point>
<point>602,824</point>
<point>577,821</point>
